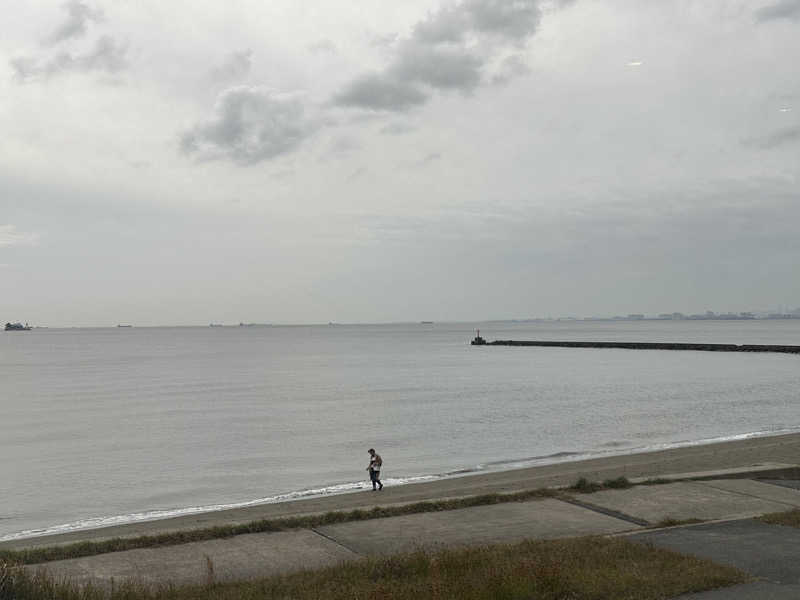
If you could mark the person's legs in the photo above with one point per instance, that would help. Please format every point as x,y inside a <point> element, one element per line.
<point>378,480</point>
<point>373,477</point>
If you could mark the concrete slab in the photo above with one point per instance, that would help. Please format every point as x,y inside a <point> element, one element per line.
<point>789,483</point>
<point>680,501</point>
<point>233,559</point>
<point>760,590</point>
<point>765,491</point>
<point>759,470</point>
<point>771,552</point>
<point>479,525</point>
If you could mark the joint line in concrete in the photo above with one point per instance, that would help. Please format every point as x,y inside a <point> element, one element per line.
<point>335,541</point>
<point>606,511</point>
<point>722,489</point>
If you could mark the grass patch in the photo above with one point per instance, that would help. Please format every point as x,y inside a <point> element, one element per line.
<point>790,518</point>
<point>89,548</point>
<point>584,486</point>
<point>657,481</point>
<point>670,522</point>
<point>620,483</point>
<point>574,569</point>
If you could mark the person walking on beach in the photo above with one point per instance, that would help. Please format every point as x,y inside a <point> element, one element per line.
<point>374,468</point>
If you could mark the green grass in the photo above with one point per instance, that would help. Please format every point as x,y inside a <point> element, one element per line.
<point>670,522</point>
<point>574,569</point>
<point>584,486</point>
<point>89,548</point>
<point>790,518</point>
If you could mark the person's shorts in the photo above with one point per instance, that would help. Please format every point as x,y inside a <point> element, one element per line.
<point>374,475</point>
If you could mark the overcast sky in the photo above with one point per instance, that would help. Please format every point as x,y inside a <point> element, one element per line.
<point>188,162</point>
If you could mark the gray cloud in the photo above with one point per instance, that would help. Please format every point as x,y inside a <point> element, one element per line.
<point>785,9</point>
<point>75,25</point>
<point>381,92</point>
<point>357,174</point>
<point>397,128</point>
<point>323,47</point>
<point>343,144</point>
<point>781,137</point>
<point>251,124</point>
<point>510,68</point>
<point>438,67</point>
<point>448,50</point>
<point>428,159</point>
<point>236,66</point>
<point>106,56</point>
<point>514,19</point>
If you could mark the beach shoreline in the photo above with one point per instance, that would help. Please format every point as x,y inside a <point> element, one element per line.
<point>740,453</point>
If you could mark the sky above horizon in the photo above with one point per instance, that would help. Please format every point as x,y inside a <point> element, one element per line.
<point>367,161</point>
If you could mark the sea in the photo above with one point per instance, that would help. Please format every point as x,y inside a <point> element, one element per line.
<point>103,426</point>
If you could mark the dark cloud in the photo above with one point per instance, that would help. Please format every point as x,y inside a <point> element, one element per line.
<point>251,124</point>
<point>79,15</point>
<point>448,50</point>
<point>781,137</point>
<point>107,56</point>
<point>785,9</point>
<point>381,92</point>
<point>236,66</point>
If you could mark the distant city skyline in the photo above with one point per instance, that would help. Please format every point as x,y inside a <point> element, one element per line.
<point>363,161</point>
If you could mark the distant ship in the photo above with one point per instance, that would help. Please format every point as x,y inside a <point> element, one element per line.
<point>17,327</point>
<point>426,322</point>
<point>124,325</point>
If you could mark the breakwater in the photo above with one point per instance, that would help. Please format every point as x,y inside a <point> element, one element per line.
<point>646,346</point>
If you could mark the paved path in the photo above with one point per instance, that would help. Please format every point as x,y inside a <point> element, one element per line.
<point>769,552</point>
<point>607,512</point>
<point>704,500</point>
<point>228,559</point>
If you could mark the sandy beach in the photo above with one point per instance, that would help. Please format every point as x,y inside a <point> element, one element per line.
<point>783,449</point>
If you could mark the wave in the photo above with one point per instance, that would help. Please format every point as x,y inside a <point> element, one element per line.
<point>350,487</point>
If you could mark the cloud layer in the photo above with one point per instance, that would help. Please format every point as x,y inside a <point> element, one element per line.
<point>75,25</point>
<point>785,9</point>
<point>452,49</point>
<point>105,55</point>
<point>250,124</point>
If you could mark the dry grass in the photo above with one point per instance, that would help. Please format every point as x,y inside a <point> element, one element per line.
<point>790,518</point>
<point>574,569</point>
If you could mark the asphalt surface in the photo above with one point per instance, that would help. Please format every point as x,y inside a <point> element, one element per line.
<point>769,552</point>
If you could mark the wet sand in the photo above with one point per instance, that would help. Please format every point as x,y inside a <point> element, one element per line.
<point>752,452</point>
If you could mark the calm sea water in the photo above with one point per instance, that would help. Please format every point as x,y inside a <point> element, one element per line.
<point>102,426</point>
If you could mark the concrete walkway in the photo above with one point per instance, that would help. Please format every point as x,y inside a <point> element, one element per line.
<point>607,512</point>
